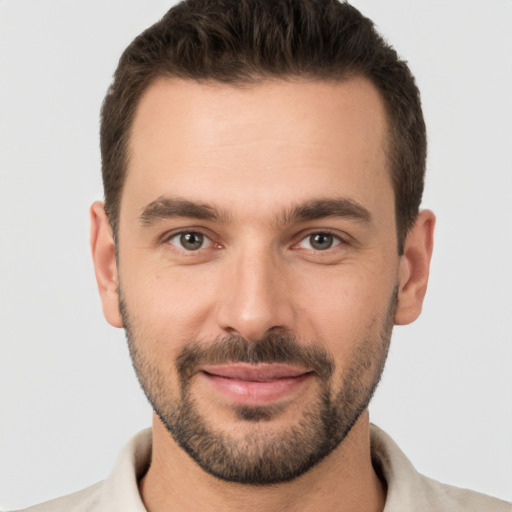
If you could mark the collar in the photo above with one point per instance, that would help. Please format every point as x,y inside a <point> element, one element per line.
<point>407,490</point>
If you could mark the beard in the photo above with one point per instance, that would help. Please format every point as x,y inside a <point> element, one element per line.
<point>262,456</point>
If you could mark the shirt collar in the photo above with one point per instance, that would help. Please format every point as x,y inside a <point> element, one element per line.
<point>121,489</point>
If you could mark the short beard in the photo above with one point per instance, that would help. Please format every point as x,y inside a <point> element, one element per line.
<point>263,457</point>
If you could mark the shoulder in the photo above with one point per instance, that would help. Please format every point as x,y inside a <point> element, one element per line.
<point>447,497</point>
<point>119,491</point>
<point>85,500</point>
<point>408,490</point>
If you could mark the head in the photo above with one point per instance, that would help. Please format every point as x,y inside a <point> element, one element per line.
<point>243,42</point>
<point>263,167</point>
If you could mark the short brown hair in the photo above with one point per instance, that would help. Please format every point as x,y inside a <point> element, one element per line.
<point>247,41</point>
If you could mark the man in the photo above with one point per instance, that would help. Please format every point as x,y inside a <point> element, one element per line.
<point>263,170</point>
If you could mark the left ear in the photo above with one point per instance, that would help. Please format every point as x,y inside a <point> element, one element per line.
<point>414,268</point>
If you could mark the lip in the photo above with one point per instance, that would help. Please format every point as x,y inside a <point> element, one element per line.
<point>264,384</point>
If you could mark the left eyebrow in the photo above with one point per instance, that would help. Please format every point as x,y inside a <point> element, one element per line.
<point>327,208</point>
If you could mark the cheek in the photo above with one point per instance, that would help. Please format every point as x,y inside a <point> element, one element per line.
<point>345,308</point>
<point>170,304</point>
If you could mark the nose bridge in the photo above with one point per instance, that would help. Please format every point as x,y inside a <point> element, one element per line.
<point>254,299</point>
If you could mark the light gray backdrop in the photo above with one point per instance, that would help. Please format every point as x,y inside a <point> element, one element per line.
<point>69,399</point>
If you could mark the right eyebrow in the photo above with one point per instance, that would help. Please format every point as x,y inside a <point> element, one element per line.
<point>172,207</point>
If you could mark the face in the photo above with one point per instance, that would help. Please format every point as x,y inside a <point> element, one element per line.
<point>257,267</point>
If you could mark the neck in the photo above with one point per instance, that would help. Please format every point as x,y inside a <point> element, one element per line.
<point>344,480</point>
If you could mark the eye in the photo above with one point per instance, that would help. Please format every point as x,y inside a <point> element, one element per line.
<point>190,241</point>
<point>319,241</point>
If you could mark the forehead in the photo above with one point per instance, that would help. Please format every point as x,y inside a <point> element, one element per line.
<point>283,140</point>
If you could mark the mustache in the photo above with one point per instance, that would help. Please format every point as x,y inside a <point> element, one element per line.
<point>275,347</point>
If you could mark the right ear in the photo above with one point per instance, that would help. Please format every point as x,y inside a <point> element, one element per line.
<point>105,265</point>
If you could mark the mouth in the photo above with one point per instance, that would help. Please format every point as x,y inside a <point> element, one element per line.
<point>255,385</point>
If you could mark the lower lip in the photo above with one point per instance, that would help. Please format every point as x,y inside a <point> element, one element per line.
<point>244,392</point>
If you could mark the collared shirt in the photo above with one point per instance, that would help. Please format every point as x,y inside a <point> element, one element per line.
<point>407,490</point>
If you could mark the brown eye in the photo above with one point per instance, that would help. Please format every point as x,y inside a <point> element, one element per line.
<point>190,241</point>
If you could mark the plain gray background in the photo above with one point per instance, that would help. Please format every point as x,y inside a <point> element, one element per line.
<point>68,396</point>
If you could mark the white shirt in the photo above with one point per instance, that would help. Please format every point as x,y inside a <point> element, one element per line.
<point>407,490</point>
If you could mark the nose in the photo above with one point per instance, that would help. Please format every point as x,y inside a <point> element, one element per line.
<point>255,297</point>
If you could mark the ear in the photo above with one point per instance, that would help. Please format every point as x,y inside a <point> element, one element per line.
<point>105,266</point>
<point>414,268</point>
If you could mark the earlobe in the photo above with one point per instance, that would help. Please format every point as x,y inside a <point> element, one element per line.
<point>414,268</point>
<point>105,266</point>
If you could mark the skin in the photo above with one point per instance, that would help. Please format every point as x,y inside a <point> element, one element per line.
<point>254,153</point>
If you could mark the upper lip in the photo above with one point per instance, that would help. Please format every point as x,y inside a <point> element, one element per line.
<point>256,373</point>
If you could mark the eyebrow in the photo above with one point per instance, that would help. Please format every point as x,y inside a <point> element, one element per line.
<point>170,207</point>
<point>327,208</point>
